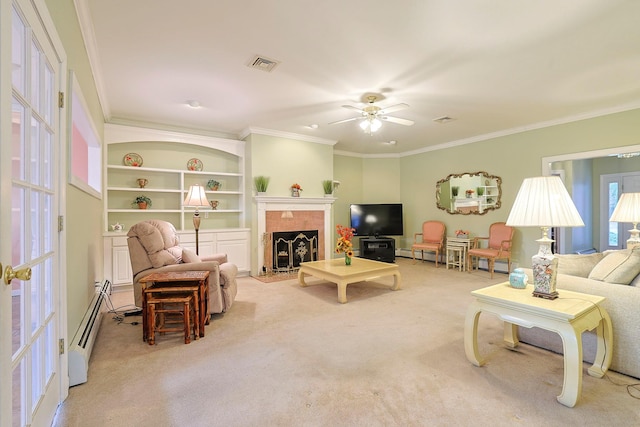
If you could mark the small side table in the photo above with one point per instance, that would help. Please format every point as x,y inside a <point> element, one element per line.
<point>176,279</point>
<point>569,315</point>
<point>456,252</point>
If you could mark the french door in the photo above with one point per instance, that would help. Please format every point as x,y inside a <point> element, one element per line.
<point>30,157</point>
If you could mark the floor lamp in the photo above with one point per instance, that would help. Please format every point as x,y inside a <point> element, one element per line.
<point>628,210</point>
<point>544,202</point>
<point>196,198</point>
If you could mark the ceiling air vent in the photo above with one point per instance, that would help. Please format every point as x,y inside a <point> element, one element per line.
<point>443,119</point>
<point>264,64</point>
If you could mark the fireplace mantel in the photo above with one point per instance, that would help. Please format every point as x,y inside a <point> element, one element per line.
<point>271,203</point>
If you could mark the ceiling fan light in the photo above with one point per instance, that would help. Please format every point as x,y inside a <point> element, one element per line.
<point>375,125</point>
<point>364,125</point>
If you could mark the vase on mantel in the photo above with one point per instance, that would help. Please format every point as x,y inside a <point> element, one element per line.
<point>295,192</point>
<point>347,259</point>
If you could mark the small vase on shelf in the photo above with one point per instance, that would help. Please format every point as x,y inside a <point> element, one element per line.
<point>295,192</point>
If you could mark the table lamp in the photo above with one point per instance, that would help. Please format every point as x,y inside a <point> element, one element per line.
<point>196,197</point>
<point>628,210</point>
<point>544,202</point>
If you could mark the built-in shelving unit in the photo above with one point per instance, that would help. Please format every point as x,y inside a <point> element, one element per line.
<point>165,158</point>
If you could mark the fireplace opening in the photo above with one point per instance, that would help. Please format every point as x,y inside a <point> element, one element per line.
<point>290,248</point>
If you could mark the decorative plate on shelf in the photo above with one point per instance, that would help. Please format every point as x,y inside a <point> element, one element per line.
<point>194,164</point>
<point>132,159</point>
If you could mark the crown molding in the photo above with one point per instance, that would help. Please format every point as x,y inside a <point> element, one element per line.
<point>289,135</point>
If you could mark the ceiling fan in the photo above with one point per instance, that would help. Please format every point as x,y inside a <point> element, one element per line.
<point>372,116</point>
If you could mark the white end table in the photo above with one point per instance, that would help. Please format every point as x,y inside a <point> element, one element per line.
<point>569,315</point>
<point>458,247</point>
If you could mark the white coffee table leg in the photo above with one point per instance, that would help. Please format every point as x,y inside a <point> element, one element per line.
<point>397,284</point>
<point>301,278</point>
<point>471,334</point>
<point>342,292</point>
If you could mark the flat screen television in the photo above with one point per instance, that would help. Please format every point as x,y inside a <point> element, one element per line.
<point>379,220</point>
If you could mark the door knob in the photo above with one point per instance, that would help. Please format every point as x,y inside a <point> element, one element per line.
<point>10,274</point>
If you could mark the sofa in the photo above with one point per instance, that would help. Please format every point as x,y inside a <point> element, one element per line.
<point>154,247</point>
<point>614,275</point>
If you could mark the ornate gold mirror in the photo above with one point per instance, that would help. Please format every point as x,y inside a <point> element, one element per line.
<point>474,193</point>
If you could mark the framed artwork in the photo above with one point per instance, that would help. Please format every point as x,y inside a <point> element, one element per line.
<point>85,148</point>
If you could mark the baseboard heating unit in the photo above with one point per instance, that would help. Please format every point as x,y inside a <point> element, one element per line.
<point>82,344</point>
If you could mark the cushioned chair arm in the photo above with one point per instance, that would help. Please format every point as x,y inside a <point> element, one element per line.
<point>228,272</point>
<point>220,258</point>
<point>212,266</point>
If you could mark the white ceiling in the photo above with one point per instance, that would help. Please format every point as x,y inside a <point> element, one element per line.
<point>494,66</point>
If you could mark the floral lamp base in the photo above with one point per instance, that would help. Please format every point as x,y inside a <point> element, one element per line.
<point>545,270</point>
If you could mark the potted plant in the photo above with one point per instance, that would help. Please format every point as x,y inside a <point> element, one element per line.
<point>261,183</point>
<point>327,186</point>
<point>213,184</point>
<point>480,191</point>
<point>295,190</point>
<point>142,202</point>
<point>454,191</point>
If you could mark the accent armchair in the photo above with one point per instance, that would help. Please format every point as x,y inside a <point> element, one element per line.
<point>432,239</point>
<point>154,248</point>
<point>498,246</point>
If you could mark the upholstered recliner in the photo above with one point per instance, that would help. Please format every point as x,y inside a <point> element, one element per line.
<point>154,248</point>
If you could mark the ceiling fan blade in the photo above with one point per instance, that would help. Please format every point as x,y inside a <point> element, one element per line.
<point>393,108</point>
<point>345,120</point>
<point>397,120</point>
<point>351,107</point>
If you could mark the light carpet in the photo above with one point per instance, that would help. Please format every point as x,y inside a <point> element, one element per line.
<point>284,355</point>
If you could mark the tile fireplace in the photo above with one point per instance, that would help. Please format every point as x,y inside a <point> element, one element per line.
<point>288,214</point>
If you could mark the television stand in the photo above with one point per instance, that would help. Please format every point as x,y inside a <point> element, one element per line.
<point>378,249</point>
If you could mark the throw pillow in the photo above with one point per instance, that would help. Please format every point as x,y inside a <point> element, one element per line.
<point>578,265</point>
<point>619,267</point>
<point>189,256</point>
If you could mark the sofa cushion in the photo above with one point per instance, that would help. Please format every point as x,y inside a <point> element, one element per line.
<point>578,265</point>
<point>189,256</point>
<point>619,267</point>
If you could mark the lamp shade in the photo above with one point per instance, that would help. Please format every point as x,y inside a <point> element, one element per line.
<point>627,209</point>
<point>544,202</point>
<point>196,196</point>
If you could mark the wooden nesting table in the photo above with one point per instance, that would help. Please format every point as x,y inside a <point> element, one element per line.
<point>335,270</point>
<point>569,315</point>
<point>175,279</point>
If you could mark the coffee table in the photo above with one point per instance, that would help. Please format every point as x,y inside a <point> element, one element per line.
<point>335,270</point>
<point>569,315</point>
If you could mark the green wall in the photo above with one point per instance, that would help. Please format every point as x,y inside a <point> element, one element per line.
<point>513,158</point>
<point>286,161</point>
<point>83,220</point>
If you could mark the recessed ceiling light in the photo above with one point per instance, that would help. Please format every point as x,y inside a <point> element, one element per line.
<point>193,103</point>
<point>313,126</point>
<point>393,142</point>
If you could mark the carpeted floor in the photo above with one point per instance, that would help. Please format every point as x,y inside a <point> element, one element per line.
<point>290,356</point>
